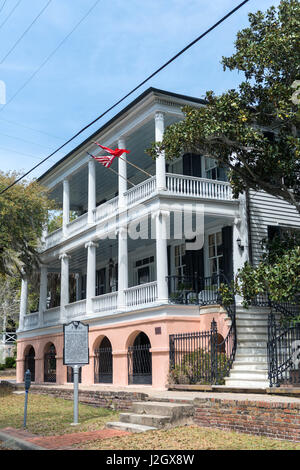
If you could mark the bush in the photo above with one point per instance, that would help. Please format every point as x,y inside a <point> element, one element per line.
<point>195,369</point>
<point>2,366</point>
<point>10,362</point>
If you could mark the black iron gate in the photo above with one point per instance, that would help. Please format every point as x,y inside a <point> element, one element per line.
<point>139,364</point>
<point>103,366</point>
<point>50,365</point>
<point>30,363</point>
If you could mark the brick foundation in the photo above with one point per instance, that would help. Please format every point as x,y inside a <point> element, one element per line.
<point>272,419</point>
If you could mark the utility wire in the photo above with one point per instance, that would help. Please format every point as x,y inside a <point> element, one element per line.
<point>25,32</point>
<point>131,92</point>
<point>49,56</point>
<point>11,12</point>
<point>3,5</point>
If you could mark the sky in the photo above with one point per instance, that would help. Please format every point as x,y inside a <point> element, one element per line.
<point>117,45</point>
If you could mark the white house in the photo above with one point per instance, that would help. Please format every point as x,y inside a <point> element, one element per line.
<point>127,265</point>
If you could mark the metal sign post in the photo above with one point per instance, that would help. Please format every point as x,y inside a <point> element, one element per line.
<point>76,354</point>
<point>27,387</point>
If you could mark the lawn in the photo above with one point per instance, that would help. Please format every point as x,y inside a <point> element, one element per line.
<point>49,416</point>
<point>190,438</point>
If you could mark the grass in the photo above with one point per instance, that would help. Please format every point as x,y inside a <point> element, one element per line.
<point>50,416</point>
<point>190,438</point>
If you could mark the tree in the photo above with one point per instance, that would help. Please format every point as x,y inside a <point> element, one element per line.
<point>23,215</point>
<point>10,301</point>
<point>254,130</point>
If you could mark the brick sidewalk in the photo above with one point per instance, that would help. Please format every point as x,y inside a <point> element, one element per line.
<point>65,441</point>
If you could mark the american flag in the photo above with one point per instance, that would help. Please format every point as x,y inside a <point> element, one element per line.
<point>105,160</point>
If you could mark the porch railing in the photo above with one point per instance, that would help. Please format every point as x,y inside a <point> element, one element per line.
<point>77,224</point>
<point>105,302</point>
<point>141,295</point>
<point>51,316</point>
<point>141,191</point>
<point>180,185</point>
<point>31,320</point>
<point>75,309</point>
<point>105,210</point>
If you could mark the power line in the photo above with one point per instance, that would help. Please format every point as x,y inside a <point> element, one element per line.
<point>49,57</point>
<point>132,91</point>
<point>31,128</point>
<point>3,5</point>
<point>11,12</point>
<point>25,32</point>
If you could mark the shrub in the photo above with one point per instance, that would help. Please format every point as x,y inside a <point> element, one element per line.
<point>196,369</point>
<point>10,362</point>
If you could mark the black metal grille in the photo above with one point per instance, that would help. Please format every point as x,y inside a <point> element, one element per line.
<point>283,352</point>
<point>103,366</point>
<point>194,290</point>
<point>202,357</point>
<point>70,374</point>
<point>30,364</point>
<point>139,364</point>
<point>50,366</point>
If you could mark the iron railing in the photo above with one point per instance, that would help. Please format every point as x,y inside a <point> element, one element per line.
<point>103,366</point>
<point>139,360</point>
<point>202,357</point>
<point>70,374</point>
<point>195,290</point>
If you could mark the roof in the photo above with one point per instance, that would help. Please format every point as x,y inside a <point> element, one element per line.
<point>117,116</point>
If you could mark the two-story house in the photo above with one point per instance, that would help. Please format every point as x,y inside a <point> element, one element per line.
<point>142,255</point>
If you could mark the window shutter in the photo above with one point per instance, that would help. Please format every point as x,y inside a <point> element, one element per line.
<point>227,237</point>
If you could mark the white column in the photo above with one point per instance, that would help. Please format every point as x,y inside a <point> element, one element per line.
<point>66,205</point>
<point>160,161</point>
<point>91,191</point>
<point>64,285</point>
<point>90,275</point>
<point>122,174</point>
<point>77,288</point>
<point>43,293</point>
<point>23,302</point>
<point>122,266</point>
<point>240,240</point>
<point>161,255</point>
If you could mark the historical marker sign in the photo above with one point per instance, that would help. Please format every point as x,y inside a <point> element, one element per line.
<point>76,344</point>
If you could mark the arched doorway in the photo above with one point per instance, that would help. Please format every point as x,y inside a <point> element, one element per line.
<point>140,361</point>
<point>103,363</point>
<point>50,364</point>
<point>29,362</point>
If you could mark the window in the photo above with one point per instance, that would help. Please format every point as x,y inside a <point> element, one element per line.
<point>215,253</point>
<point>180,260</point>
<point>214,171</point>
<point>144,270</point>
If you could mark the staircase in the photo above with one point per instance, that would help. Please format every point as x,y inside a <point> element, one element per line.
<point>151,415</point>
<point>250,368</point>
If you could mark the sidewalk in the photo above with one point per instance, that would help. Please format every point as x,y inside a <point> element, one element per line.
<point>24,440</point>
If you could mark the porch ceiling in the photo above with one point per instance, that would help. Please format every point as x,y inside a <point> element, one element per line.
<point>106,180</point>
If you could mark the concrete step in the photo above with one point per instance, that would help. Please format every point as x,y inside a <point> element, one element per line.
<point>253,345</point>
<point>249,366</point>
<point>174,410</point>
<point>131,427</point>
<point>248,374</point>
<point>156,421</point>
<point>252,329</point>
<point>236,383</point>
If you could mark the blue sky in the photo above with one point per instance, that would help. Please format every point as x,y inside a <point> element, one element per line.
<point>114,48</point>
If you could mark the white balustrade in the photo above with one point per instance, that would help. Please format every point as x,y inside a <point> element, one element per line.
<point>105,302</point>
<point>141,191</point>
<point>179,185</point>
<point>31,320</point>
<point>105,210</point>
<point>51,316</point>
<point>77,225</point>
<point>75,309</point>
<point>53,238</point>
<point>141,295</point>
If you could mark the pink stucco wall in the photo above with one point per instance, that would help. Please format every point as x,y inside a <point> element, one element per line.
<point>121,336</point>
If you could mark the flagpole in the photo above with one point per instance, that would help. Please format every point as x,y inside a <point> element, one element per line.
<point>135,166</point>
